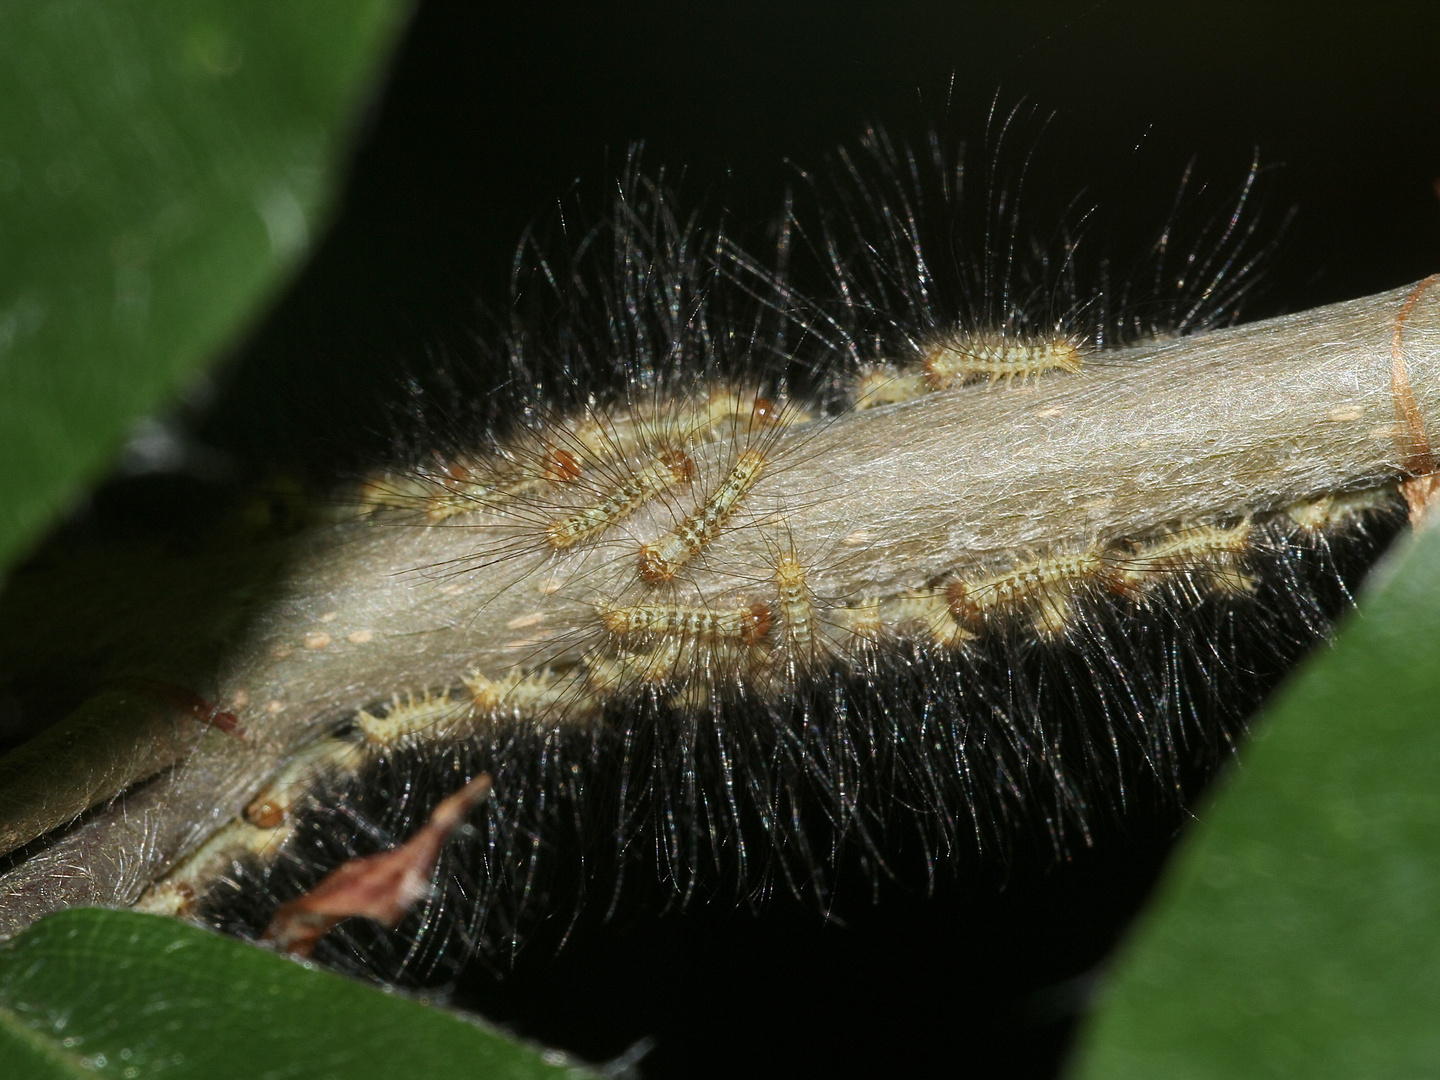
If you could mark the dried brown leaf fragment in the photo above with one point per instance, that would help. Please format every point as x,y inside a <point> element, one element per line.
<point>382,887</point>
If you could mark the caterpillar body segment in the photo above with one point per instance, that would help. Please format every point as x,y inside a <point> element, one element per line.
<point>671,467</point>
<point>635,458</point>
<point>661,561</point>
<point>887,384</point>
<point>277,801</point>
<point>534,696</point>
<point>1211,553</point>
<point>179,891</point>
<point>741,415</point>
<point>959,358</point>
<point>433,496</point>
<point>723,413</point>
<point>442,713</point>
<point>859,623</point>
<point>747,624</point>
<point>1042,588</point>
<point>795,605</point>
<point>445,489</point>
<point>391,490</point>
<point>466,489</point>
<point>923,615</point>
<point>593,451</point>
<point>682,651</point>
<point>1332,511</point>
<point>613,673</point>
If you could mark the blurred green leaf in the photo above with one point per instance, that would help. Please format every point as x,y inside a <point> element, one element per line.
<point>118,994</point>
<point>1298,931</point>
<point>162,164</point>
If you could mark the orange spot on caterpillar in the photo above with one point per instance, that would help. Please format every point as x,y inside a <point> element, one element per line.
<point>265,813</point>
<point>274,804</point>
<point>960,358</point>
<point>647,621</point>
<point>764,411</point>
<point>671,467</point>
<point>562,467</point>
<point>661,561</point>
<point>757,625</point>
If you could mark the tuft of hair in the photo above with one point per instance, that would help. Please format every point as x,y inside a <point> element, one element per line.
<point>909,285</point>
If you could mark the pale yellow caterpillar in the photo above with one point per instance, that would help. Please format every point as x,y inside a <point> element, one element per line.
<point>957,358</point>
<point>660,561</point>
<point>1041,587</point>
<point>641,622</point>
<point>796,606</point>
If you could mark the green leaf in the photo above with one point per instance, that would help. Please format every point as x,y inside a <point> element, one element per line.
<point>125,995</point>
<point>1298,932</point>
<point>163,163</point>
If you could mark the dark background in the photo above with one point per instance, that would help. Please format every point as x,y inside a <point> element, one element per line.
<point>493,111</point>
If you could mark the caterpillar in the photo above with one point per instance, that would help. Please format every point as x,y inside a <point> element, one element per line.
<point>797,573</point>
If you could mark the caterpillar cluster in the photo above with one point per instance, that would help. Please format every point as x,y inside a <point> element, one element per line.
<point>736,572</point>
